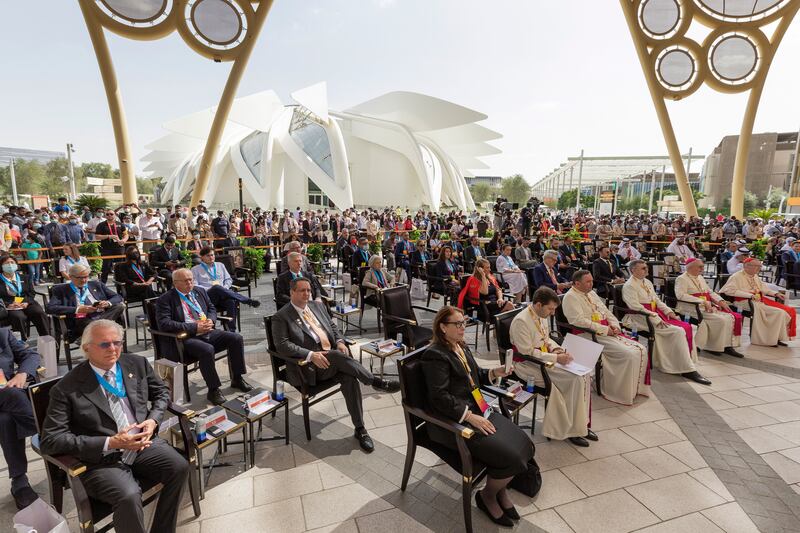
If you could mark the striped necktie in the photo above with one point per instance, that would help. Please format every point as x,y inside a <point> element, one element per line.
<point>128,456</point>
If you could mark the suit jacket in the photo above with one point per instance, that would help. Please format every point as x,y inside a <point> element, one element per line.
<point>125,274</point>
<point>79,416</point>
<point>602,273</point>
<point>399,250</point>
<point>417,259</point>
<point>470,255</point>
<point>282,295</point>
<point>169,311</point>
<point>15,352</point>
<point>370,281</point>
<point>360,259</point>
<point>449,390</point>
<point>159,257</point>
<point>195,246</point>
<point>293,338</point>
<point>63,300</point>
<point>542,279</point>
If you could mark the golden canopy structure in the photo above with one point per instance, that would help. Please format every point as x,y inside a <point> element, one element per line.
<point>734,57</point>
<point>221,30</point>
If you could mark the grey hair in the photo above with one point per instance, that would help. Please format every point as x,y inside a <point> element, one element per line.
<point>182,270</point>
<point>89,332</point>
<point>550,253</point>
<point>293,255</point>
<point>374,258</point>
<point>78,268</point>
<point>635,263</point>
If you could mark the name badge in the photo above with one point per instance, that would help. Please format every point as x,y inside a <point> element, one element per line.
<point>543,349</point>
<point>18,299</point>
<point>482,405</point>
<point>596,317</point>
<point>702,297</point>
<point>653,305</point>
<point>215,282</point>
<point>202,316</point>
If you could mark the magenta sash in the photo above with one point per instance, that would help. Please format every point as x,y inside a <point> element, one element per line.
<point>687,328</point>
<point>737,317</point>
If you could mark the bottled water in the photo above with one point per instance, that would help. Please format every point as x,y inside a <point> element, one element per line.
<point>530,385</point>
<point>399,340</point>
<point>634,333</point>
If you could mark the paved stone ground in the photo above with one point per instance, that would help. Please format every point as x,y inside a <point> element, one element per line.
<point>689,458</point>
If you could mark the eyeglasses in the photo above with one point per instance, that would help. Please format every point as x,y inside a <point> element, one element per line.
<point>109,344</point>
<point>459,324</point>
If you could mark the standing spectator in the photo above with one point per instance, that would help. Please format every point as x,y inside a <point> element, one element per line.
<point>73,231</point>
<point>62,207</point>
<point>178,225</point>
<point>220,225</point>
<point>91,226</point>
<point>112,237</point>
<point>32,246</point>
<point>150,226</point>
<point>54,232</point>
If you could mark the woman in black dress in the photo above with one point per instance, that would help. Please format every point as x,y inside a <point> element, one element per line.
<point>137,276</point>
<point>451,375</point>
<point>19,297</point>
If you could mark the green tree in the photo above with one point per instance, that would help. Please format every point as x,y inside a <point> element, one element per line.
<point>146,185</point>
<point>28,174</point>
<point>751,202</point>
<point>99,170</point>
<point>516,189</point>
<point>483,192</point>
<point>773,199</point>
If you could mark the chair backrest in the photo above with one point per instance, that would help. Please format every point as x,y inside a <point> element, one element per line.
<point>278,364</point>
<point>561,319</point>
<point>619,302</point>
<point>161,345</point>
<point>39,394</point>
<point>413,388</point>
<point>669,292</point>
<point>503,331</point>
<point>227,260</point>
<point>395,301</point>
<point>492,263</point>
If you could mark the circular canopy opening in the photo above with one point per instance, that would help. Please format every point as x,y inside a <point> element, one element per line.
<point>136,10</point>
<point>734,57</point>
<point>660,17</point>
<point>676,68</point>
<point>740,9</point>
<point>217,21</point>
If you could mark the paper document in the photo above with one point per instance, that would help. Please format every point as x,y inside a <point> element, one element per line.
<point>509,359</point>
<point>262,407</point>
<point>584,353</point>
<point>226,425</point>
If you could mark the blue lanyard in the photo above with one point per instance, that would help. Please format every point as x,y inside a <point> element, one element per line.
<point>81,295</point>
<point>509,261</point>
<point>118,391</point>
<point>381,281</point>
<point>449,266</point>
<point>208,270</point>
<point>71,260</point>
<point>296,276</point>
<point>365,255</point>
<point>194,307</point>
<point>138,271</point>
<point>477,251</point>
<point>18,289</point>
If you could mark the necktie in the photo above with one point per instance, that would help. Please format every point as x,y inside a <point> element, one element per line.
<point>317,329</point>
<point>128,456</point>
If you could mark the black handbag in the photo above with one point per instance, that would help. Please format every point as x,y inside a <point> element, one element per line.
<point>529,482</point>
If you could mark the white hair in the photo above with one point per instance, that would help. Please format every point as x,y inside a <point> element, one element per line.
<point>550,253</point>
<point>78,269</point>
<point>89,332</point>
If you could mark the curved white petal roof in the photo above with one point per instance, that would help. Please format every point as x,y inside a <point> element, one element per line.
<point>418,112</point>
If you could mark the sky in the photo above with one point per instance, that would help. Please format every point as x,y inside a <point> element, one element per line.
<point>553,77</point>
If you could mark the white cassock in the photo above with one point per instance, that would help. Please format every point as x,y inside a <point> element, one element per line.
<point>671,352</point>
<point>769,323</point>
<point>624,360</point>
<point>517,281</point>
<point>716,330</point>
<point>567,411</point>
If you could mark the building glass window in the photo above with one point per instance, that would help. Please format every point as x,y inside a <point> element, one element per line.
<point>316,197</point>
<point>251,149</point>
<point>312,138</point>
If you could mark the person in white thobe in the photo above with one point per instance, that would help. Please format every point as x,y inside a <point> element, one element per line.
<point>720,328</point>
<point>773,323</point>
<point>625,368</point>
<point>517,279</point>
<point>628,251</point>
<point>674,350</point>
<point>566,414</point>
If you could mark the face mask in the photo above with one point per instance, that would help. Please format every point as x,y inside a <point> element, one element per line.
<point>37,226</point>
<point>72,221</point>
<point>10,268</point>
<point>46,219</point>
<point>196,236</point>
<point>365,247</point>
<point>98,215</point>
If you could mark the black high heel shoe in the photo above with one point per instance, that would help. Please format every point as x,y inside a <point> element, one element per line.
<point>510,512</point>
<point>502,520</point>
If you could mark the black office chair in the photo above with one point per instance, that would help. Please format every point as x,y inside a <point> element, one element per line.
<point>242,276</point>
<point>373,300</point>
<point>399,317</point>
<point>64,471</point>
<point>672,300</point>
<point>289,370</point>
<point>435,283</point>
<point>417,413</point>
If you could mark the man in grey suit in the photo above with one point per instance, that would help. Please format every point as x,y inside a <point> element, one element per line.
<point>304,330</point>
<point>105,412</point>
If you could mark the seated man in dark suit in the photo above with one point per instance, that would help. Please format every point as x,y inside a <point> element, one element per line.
<point>473,252</point>
<point>569,251</point>
<point>294,246</point>
<point>304,330</point>
<point>166,259</point>
<point>402,254</point>
<point>419,258</point>
<point>360,256</point>
<point>545,274</point>
<point>16,417</point>
<point>84,301</point>
<point>188,308</point>
<point>294,270</point>
<point>105,412</point>
<point>604,271</point>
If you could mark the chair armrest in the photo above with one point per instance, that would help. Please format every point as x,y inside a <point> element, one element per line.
<point>226,318</point>
<point>349,342</point>
<point>537,360</point>
<point>179,410</point>
<point>406,321</point>
<point>423,308</point>
<point>67,463</point>
<point>288,359</point>
<point>454,427</point>
<point>497,391</point>
<point>179,336</point>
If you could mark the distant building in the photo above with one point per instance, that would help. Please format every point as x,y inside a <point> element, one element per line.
<point>107,188</point>
<point>770,162</point>
<point>42,156</point>
<point>491,181</point>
